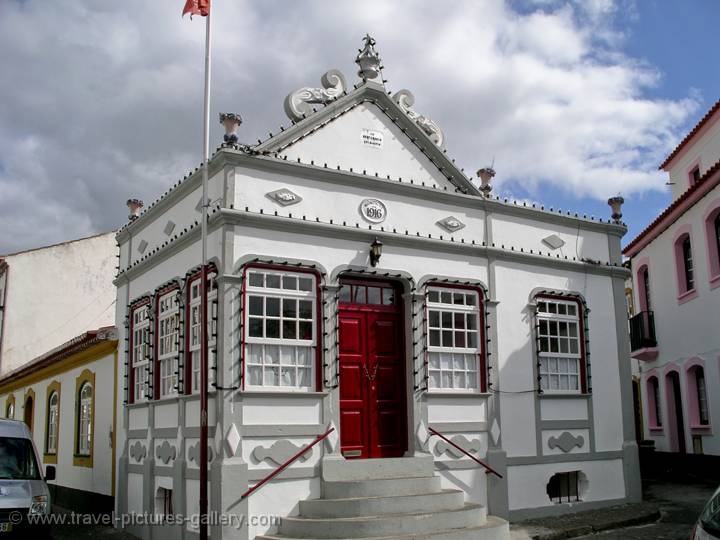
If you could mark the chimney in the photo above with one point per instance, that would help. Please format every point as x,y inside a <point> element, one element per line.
<point>135,206</point>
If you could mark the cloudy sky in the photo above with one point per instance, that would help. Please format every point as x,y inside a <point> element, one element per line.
<point>575,101</point>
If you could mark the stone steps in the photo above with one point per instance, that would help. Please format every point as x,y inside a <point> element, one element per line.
<point>494,528</point>
<point>379,505</point>
<point>380,499</point>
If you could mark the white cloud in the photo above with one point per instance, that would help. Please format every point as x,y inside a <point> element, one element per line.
<point>102,101</point>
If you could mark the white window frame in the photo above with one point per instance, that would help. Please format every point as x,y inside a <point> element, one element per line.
<point>554,360</point>
<point>437,300</point>
<point>193,330</point>
<point>84,443</point>
<point>53,417</point>
<point>265,346</point>
<point>140,351</point>
<point>168,310</point>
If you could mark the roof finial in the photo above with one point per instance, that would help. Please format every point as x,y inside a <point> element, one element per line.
<point>368,59</point>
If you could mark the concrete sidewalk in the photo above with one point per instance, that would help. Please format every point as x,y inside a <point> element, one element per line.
<point>585,523</point>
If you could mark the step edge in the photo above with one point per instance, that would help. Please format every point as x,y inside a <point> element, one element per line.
<point>467,507</point>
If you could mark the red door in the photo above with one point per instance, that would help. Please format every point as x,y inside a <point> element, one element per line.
<point>373,420</point>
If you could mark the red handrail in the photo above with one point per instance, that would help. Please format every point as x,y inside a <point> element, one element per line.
<point>488,468</point>
<point>285,465</point>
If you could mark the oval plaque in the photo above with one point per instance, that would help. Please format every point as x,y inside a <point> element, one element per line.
<point>373,210</point>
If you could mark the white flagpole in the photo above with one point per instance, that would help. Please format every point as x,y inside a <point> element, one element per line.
<point>203,292</point>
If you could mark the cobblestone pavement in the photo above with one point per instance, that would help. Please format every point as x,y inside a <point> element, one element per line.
<point>680,505</point>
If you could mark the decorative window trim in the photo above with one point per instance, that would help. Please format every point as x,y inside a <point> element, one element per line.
<point>81,460</point>
<point>584,373</point>
<point>8,402</point>
<point>654,414</point>
<point>51,456</point>
<point>174,359</point>
<point>684,294</point>
<point>690,172</point>
<point>711,242</point>
<point>317,330</point>
<point>30,393</point>
<point>142,303</point>
<point>188,380</point>
<point>482,351</point>
<point>642,287</point>
<point>696,426</point>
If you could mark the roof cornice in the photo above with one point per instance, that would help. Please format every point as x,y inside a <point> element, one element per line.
<point>679,149</point>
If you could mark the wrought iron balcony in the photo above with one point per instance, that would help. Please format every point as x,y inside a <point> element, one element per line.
<point>642,331</point>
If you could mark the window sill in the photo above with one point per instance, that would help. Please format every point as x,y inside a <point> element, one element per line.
<point>701,429</point>
<point>715,281</point>
<point>565,395</point>
<point>83,461</point>
<point>687,296</point>
<point>658,430</point>
<point>282,393</point>
<point>444,393</point>
<point>50,459</point>
<point>646,353</point>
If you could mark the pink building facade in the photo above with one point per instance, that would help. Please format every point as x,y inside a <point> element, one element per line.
<point>675,330</point>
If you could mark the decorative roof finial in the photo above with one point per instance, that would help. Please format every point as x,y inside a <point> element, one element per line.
<point>231,122</point>
<point>368,59</point>
<point>486,174</point>
<point>616,207</point>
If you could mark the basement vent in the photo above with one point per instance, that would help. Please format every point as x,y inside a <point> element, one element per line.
<point>566,487</point>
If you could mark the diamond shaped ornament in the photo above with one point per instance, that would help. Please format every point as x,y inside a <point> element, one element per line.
<point>422,434</point>
<point>495,431</point>
<point>142,246</point>
<point>232,438</point>
<point>553,241</point>
<point>451,224</point>
<point>331,441</point>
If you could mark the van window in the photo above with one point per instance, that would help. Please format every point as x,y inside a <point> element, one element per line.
<point>17,459</point>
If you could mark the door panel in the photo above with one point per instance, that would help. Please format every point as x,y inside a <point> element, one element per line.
<point>372,378</point>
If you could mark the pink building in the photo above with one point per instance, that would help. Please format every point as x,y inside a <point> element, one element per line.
<point>675,331</point>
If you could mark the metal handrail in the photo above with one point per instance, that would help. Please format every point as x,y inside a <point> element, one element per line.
<point>488,468</point>
<point>285,465</point>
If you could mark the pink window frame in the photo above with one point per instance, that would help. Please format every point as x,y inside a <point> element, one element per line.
<point>683,293</point>
<point>693,402</point>
<point>691,168</point>
<point>653,406</point>
<point>713,257</point>
<point>642,265</point>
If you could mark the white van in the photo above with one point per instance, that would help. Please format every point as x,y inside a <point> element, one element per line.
<point>23,490</point>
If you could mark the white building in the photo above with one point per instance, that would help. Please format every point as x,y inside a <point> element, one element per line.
<point>58,362</point>
<point>478,321</point>
<point>676,279</point>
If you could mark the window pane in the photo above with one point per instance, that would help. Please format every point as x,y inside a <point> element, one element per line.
<point>255,307</point>
<point>272,328</point>
<point>289,282</point>
<point>344,295</point>
<point>434,338</point>
<point>388,297</point>
<point>272,281</point>
<point>434,318</point>
<point>272,307</point>
<point>304,356</point>
<point>289,329</point>
<point>272,354</point>
<point>374,295</point>
<point>305,283</point>
<point>305,330</point>
<point>433,296</point>
<point>272,376</point>
<point>255,327</point>
<point>359,294</point>
<point>289,308</point>
<point>287,355</point>
<point>305,309</point>
<point>256,280</point>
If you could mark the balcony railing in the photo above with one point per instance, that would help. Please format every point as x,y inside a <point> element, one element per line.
<point>642,331</point>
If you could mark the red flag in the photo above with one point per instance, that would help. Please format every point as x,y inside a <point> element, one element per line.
<point>197,7</point>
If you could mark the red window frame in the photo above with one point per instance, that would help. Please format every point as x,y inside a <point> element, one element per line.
<point>131,347</point>
<point>156,344</point>
<point>187,368</point>
<point>581,331</point>
<point>318,314</point>
<point>482,356</point>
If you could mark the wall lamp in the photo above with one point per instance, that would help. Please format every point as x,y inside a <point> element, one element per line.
<point>375,251</point>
